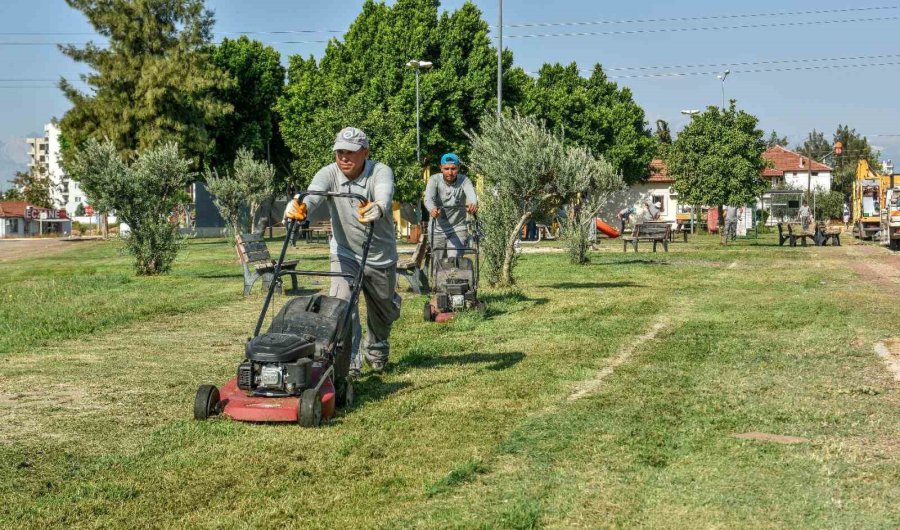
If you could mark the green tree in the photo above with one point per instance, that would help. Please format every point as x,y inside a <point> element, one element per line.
<point>35,186</point>
<point>855,147</point>
<point>151,83</point>
<point>239,194</point>
<point>717,159</point>
<point>258,82</point>
<point>79,210</point>
<point>12,194</point>
<point>663,134</point>
<point>529,169</point>
<point>815,145</point>
<point>363,81</point>
<point>828,204</point>
<point>595,113</point>
<point>774,139</point>
<point>145,194</point>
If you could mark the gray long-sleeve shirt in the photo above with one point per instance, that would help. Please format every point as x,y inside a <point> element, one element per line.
<point>450,198</point>
<point>376,183</point>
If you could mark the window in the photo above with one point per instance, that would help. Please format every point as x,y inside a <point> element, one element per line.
<point>77,200</point>
<point>815,173</point>
<point>12,226</point>
<point>661,199</point>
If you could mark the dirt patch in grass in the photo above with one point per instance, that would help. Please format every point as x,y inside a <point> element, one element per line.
<point>35,248</point>
<point>889,351</point>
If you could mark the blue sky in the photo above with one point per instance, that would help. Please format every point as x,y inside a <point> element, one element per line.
<point>791,102</point>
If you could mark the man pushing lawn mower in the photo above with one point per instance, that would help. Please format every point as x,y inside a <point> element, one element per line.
<point>352,172</point>
<point>449,197</point>
<point>447,193</point>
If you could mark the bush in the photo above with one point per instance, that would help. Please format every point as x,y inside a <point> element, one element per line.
<point>144,195</point>
<point>499,217</point>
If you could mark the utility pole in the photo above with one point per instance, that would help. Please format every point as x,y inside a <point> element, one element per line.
<point>499,58</point>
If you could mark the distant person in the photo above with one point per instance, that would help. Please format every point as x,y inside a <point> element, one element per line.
<point>653,210</point>
<point>846,216</point>
<point>805,216</point>
<point>731,221</point>
<point>624,216</point>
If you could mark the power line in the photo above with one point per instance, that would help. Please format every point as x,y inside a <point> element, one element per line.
<point>748,71</point>
<point>703,28</point>
<point>697,18</point>
<point>755,63</point>
<point>529,24</point>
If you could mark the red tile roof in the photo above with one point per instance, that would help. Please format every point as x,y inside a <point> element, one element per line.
<point>13,208</point>
<point>659,172</point>
<point>786,160</point>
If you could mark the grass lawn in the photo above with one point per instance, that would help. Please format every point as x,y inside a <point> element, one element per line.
<point>606,395</point>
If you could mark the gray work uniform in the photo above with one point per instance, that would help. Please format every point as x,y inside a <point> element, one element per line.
<point>805,216</point>
<point>731,220</point>
<point>376,183</point>
<point>450,228</point>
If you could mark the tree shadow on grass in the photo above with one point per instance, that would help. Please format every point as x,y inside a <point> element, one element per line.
<point>502,302</point>
<point>591,285</point>
<point>497,361</point>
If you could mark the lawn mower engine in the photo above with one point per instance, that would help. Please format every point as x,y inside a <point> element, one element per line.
<point>454,289</point>
<point>278,365</point>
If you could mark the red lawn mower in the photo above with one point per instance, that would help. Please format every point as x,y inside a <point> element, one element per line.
<point>297,371</point>
<point>455,279</point>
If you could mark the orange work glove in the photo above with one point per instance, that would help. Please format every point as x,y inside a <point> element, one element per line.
<point>295,210</point>
<point>369,212</point>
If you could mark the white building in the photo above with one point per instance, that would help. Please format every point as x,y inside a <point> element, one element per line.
<point>658,188</point>
<point>795,171</point>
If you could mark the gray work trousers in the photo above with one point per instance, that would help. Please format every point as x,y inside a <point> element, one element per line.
<point>451,240</point>
<point>382,307</point>
<point>731,228</point>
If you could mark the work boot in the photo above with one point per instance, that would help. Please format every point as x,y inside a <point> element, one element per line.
<point>377,355</point>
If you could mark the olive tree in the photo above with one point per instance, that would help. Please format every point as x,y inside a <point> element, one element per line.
<point>527,170</point>
<point>145,194</point>
<point>240,192</point>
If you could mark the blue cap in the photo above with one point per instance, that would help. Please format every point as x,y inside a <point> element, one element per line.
<point>450,158</point>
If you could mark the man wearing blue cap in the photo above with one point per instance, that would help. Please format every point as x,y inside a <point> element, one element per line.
<point>352,172</point>
<point>449,195</point>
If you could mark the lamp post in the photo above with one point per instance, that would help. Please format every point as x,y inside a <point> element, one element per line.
<point>499,58</point>
<point>418,65</point>
<point>694,208</point>
<point>722,77</point>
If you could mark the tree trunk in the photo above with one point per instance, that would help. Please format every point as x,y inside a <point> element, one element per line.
<point>104,225</point>
<point>506,272</point>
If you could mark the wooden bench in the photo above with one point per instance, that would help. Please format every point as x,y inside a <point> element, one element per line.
<point>258,263</point>
<point>319,232</point>
<point>655,232</point>
<point>413,268</point>
<point>792,232</point>
<point>671,231</point>
<point>825,233</point>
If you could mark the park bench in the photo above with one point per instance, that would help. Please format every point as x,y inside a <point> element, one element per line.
<point>825,233</point>
<point>318,232</point>
<point>413,268</point>
<point>655,232</point>
<point>792,232</point>
<point>672,232</point>
<point>258,263</point>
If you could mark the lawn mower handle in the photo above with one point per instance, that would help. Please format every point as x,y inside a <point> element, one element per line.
<point>291,226</point>
<point>475,237</point>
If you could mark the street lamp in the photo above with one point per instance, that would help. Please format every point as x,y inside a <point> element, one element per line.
<point>722,76</point>
<point>418,64</point>
<point>499,58</point>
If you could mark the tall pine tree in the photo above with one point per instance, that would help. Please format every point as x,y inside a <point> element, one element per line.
<point>151,82</point>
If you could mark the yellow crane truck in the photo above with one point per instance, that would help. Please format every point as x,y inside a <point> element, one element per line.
<point>876,206</point>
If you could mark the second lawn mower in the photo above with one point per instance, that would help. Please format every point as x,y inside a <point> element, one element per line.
<point>297,371</point>
<point>455,279</point>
